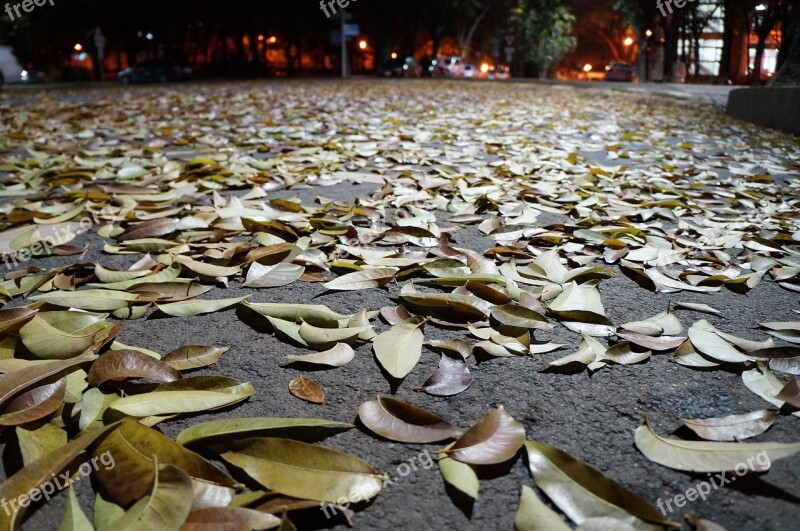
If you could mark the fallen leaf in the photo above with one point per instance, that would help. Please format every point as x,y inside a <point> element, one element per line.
<point>583,492</point>
<point>459,475</point>
<point>534,515</point>
<point>305,471</point>
<point>338,356</point>
<point>118,365</point>
<point>402,422</point>
<point>399,349</point>
<point>451,378</point>
<point>364,279</point>
<point>702,456</point>
<point>733,427</point>
<point>494,439</point>
<point>306,389</point>
<point>193,357</point>
<point>212,431</point>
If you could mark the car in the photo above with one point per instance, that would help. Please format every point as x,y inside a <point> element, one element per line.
<point>10,69</point>
<point>452,66</point>
<point>156,71</point>
<point>499,73</point>
<point>397,67</point>
<point>472,72</point>
<point>617,71</point>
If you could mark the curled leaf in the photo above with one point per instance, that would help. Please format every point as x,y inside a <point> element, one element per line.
<point>451,378</point>
<point>402,422</point>
<point>338,356</point>
<point>733,427</point>
<point>494,439</point>
<point>119,365</point>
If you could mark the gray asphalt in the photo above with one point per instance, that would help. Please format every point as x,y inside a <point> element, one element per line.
<point>591,417</point>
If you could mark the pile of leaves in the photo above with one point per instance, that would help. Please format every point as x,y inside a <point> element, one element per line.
<point>182,183</point>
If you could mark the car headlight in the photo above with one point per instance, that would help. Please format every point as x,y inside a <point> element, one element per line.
<point>23,75</point>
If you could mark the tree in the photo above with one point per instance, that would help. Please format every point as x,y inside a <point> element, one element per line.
<point>698,15</point>
<point>789,73</point>
<point>766,15</point>
<point>545,32</point>
<point>468,19</point>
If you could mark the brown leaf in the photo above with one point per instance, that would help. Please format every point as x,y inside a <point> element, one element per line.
<point>34,404</point>
<point>777,352</point>
<point>394,315</point>
<point>451,378</point>
<point>306,389</point>
<point>652,343</point>
<point>150,229</point>
<point>17,381</point>
<point>402,422</point>
<point>791,393</point>
<point>119,365</point>
<point>12,319</point>
<point>494,439</point>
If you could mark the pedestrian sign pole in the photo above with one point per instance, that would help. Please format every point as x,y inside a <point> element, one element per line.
<point>344,43</point>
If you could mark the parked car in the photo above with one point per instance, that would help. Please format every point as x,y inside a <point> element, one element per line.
<point>617,71</point>
<point>472,72</point>
<point>397,67</point>
<point>453,66</point>
<point>156,71</point>
<point>10,69</point>
<point>499,73</point>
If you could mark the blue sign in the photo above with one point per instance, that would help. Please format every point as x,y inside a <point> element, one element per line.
<point>352,30</point>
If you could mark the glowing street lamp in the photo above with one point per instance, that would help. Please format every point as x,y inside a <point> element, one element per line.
<point>587,68</point>
<point>648,33</point>
<point>272,40</point>
<point>78,47</point>
<point>362,44</point>
<point>628,41</point>
<point>394,55</point>
<point>484,68</point>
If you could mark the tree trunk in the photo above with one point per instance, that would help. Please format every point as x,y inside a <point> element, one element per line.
<point>789,73</point>
<point>437,41</point>
<point>756,76</point>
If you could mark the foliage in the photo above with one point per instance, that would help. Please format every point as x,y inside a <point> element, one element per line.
<point>545,30</point>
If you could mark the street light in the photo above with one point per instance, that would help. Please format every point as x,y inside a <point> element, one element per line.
<point>272,40</point>
<point>362,44</point>
<point>648,33</point>
<point>394,55</point>
<point>761,7</point>
<point>587,68</point>
<point>78,47</point>
<point>628,41</point>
